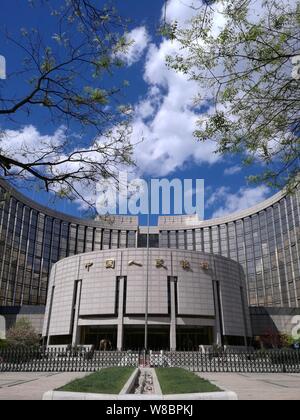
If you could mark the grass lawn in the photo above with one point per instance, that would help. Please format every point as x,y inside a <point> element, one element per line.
<point>107,381</point>
<point>180,381</point>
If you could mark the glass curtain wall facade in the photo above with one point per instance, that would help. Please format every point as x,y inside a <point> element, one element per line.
<point>33,238</point>
<point>264,240</point>
<point>266,243</point>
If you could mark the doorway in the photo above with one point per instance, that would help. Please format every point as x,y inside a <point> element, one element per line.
<point>158,338</point>
<point>190,338</point>
<point>93,336</point>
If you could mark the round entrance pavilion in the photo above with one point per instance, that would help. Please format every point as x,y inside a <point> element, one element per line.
<point>194,299</point>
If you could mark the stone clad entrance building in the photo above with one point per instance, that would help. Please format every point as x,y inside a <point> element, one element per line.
<point>194,299</point>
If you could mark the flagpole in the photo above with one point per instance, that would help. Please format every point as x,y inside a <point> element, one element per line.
<point>147,274</point>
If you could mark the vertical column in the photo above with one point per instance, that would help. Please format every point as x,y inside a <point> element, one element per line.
<point>18,258</point>
<point>289,223</point>
<point>75,337</point>
<point>11,283</point>
<point>263,270</point>
<point>286,283</point>
<point>269,254</point>
<point>173,343</point>
<point>253,241</point>
<point>9,217</point>
<point>277,258</point>
<point>218,325</point>
<point>49,315</point>
<point>121,314</point>
<point>246,333</point>
<point>294,204</point>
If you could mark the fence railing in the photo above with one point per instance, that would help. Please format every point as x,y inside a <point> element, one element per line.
<point>63,360</point>
<point>245,362</point>
<point>84,360</point>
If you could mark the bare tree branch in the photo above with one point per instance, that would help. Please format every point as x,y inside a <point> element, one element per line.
<point>71,82</point>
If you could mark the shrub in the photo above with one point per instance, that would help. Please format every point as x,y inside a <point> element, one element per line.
<point>276,340</point>
<point>22,334</point>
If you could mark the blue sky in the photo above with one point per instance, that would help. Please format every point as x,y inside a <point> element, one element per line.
<point>162,99</point>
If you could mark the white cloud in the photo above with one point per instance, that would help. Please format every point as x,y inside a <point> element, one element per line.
<point>217,196</point>
<point>139,40</point>
<point>233,170</point>
<point>56,157</point>
<point>168,124</point>
<point>231,203</point>
<point>28,144</point>
<point>181,11</point>
<point>167,117</point>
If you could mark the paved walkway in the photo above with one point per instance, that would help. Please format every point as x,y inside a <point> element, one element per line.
<point>258,386</point>
<point>32,386</point>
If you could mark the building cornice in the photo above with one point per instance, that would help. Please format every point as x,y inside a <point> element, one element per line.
<point>132,223</point>
<point>192,222</point>
<point>110,222</point>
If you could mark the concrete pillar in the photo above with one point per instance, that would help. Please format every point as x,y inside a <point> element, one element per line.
<point>173,343</point>
<point>121,314</point>
<point>75,337</point>
<point>49,316</point>
<point>218,325</point>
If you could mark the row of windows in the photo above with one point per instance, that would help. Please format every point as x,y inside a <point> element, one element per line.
<point>31,242</point>
<point>266,244</point>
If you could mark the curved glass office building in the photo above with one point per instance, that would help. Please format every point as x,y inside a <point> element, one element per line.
<point>33,238</point>
<point>264,240</point>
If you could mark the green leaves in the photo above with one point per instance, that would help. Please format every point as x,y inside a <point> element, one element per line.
<point>279,21</point>
<point>49,61</point>
<point>229,93</point>
<point>97,95</point>
<point>245,73</point>
<point>253,34</point>
<point>169,30</point>
<point>297,14</point>
<point>103,63</point>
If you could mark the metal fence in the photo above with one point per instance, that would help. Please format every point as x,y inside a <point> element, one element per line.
<point>62,360</point>
<point>245,362</point>
<point>83,360</point>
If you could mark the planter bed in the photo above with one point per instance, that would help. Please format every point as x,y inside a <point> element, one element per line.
<point>110,384</point>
